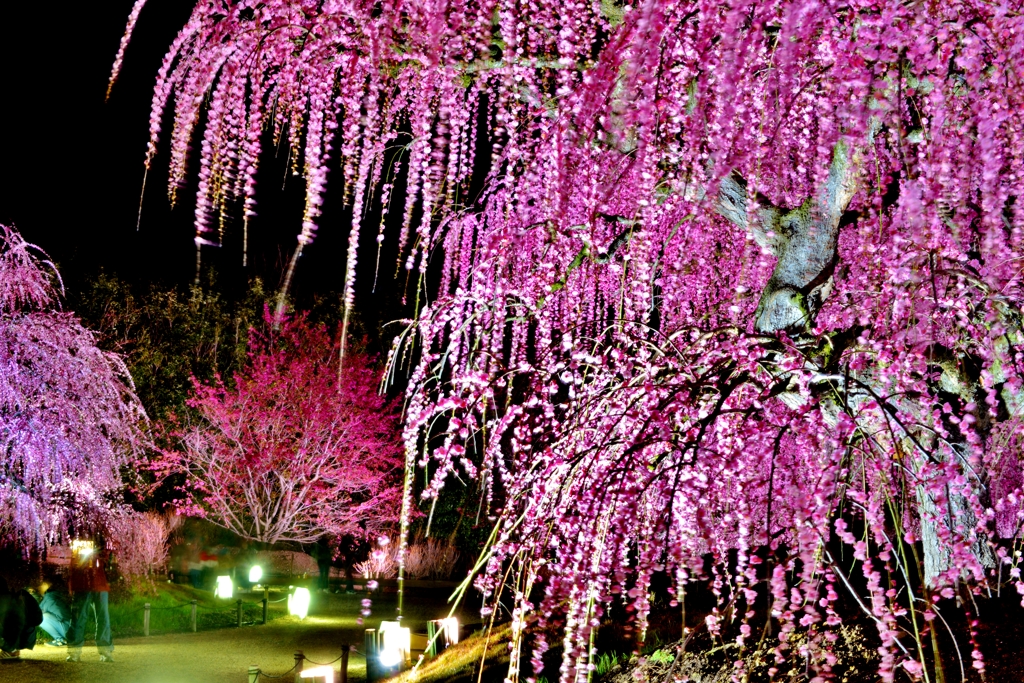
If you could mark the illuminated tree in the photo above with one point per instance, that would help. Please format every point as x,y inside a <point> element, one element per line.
<point>291,449</point>
<point>139,544</point>
<point>69,418</point>
<point>742,274</point>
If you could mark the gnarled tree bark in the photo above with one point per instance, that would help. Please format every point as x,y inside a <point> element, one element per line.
<point>804,241</point>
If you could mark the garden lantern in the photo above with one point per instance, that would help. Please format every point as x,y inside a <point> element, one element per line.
<point>298,602</point>
<point>324,672</point>
<point>224,588</point>
<point>395,644</point>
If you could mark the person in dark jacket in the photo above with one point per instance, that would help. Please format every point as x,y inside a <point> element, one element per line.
<point>56,610</point>
<point>323,553</point>
<point>19,617</point>
<point>89,587</point>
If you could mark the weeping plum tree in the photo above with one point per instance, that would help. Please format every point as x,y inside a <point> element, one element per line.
<point>69,418</point>
<point>744,277</point>
<point>291,449</point>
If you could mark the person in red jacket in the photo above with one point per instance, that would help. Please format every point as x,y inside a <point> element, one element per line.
<point>87,581</point>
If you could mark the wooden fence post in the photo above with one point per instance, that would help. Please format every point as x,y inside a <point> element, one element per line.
<point>343,676</point>
<point>370,648</point>
<point>254,673</point>
<point>145,619</point>
<point>299,658</point>
<point>265,601</point>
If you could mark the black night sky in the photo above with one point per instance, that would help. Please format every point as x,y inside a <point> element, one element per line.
<point>72,166</point>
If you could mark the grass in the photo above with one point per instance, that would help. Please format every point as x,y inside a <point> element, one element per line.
<point>171,610</point>
<point>461,662</point>
<point>606,661</point>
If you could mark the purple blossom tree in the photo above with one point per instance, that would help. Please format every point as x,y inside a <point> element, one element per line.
<point>743,274</point>
<point>69,418</point>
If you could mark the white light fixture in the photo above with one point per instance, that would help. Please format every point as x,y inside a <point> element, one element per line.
<point>395,644</point>
<point>255,573</point>
<point>441,635</point>
<point>325,672</point>
<point>298,602</point>
<point>224,587</point>
<point>449,628</point>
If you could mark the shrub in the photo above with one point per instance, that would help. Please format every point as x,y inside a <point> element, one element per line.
<point>287,562</point>
<point>382,563</point>
<point>431,559</point>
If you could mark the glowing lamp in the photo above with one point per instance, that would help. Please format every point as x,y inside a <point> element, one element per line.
<point>324,672</point>
<point>449,630</point>
<point>298,602</point>
<point>395,644</point>
<point>82,549</point>
<point>224,588</point>
<point>255,573</point>
<point>441,635</point>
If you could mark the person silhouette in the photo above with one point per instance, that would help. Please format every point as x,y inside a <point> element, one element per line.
<point>89,587</point>
<point>19,617</point>
<point>53,601</point>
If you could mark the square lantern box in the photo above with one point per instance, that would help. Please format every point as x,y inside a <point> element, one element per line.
<point>395,645</point>
<point>298,602</point>
<point>441,635</point>
<point>224,588</point>
<point>324,672</point>
<point>388,649</point>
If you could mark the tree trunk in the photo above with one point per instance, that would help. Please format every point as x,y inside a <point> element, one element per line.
<point>804,240</point>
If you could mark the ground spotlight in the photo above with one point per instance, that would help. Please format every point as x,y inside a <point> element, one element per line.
<point>324,672</point>
<point>298,602</point>
<point>224,587</point>
<point>395,644</point>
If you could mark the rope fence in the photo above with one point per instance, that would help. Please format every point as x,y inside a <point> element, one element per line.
<point>237,609</point>
<point>258,672</point>
<point>255,672</point>
<point>336,659</point>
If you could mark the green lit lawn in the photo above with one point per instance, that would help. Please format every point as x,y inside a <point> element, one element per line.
<point>170,610</point>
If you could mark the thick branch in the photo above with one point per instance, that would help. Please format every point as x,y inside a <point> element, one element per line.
<point>803,240</point>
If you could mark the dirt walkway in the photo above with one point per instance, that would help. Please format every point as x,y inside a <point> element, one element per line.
<point>221,656</point>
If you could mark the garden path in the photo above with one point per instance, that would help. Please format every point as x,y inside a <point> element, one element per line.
<point>223,655</point>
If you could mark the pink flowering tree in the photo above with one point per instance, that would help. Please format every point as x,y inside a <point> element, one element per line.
<point>69,418</point>
<point>744,275</point>
<point>139,544</point>
<point>291,448</point>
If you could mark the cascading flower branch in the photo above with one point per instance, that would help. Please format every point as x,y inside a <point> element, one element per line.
<point>745,278</point>
<point>758,287</point>
<point>69,417</point>
<point>367,72</point>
